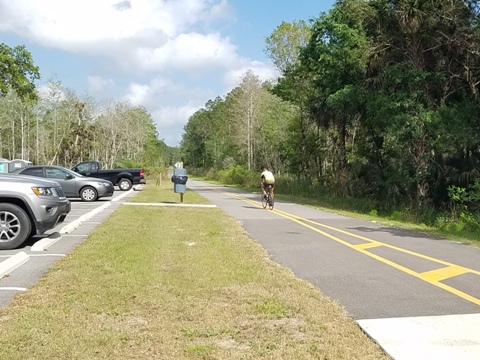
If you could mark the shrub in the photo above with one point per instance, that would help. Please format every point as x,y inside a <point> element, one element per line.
<point>373,213</point>
<point>396,215</point>
<point>471,221</point>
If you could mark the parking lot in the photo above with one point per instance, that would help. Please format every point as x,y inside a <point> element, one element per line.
<point>22,267</point>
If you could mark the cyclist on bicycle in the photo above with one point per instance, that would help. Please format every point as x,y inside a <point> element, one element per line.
<point>267,180</point>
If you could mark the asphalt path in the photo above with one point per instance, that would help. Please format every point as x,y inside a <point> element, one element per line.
<point>418,297</point>
<point>21,268</point>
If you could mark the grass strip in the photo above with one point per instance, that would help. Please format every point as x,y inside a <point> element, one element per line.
<point>175,283</point>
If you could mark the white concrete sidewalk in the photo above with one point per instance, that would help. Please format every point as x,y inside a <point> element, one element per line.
<point>448,337</point>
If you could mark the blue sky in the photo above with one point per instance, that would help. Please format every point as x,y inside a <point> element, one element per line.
<point>169,56</point>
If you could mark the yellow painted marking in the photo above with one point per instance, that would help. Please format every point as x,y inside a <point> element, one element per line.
<point>443,273</point>
<point>367,245</point>
<point>432,277</point>
<point>387,245</point>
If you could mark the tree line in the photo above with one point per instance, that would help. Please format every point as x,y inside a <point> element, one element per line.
<point>55,126</point>
<point>376,100</point>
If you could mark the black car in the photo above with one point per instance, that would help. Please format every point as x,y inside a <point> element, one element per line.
<point>74,185</point>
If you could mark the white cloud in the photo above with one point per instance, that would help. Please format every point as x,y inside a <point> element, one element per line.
<point>233,77</point>
<point>151,93</point>
<point>151,32</point>
<point>69,24</point>
<point>171,120</point>
<point>166,101</point>
<point>170,117</point>
<point>98,84</point>
<point>138,35</point>
<point>170,54</point>
<point>190,52</point>
<point>51,91</point>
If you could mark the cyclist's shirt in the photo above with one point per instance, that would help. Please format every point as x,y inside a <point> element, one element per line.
<point>268,177</point>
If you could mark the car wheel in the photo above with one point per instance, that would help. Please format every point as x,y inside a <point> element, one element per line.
<point>125,184</point>
<point>15,226</point>
<point>88,193</point>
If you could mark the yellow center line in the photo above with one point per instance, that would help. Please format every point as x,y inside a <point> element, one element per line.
<point>433,277</point>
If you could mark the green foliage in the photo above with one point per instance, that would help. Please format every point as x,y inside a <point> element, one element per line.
<point>18,72</point>
<point>157,153</point>
<point>471,221</point>
<point>458,195</point>
<point>467,224</point>
<point>373,213</point>
<point>249,127</point>
<point>463,199</point>
<point>154,172</point>
<point>64,129</point>
<point>396,215</point>
<point>208,139</point>
<point>285,42</point>
<point>127,163</point>
<point>376,112</point>
<point>238,175</point>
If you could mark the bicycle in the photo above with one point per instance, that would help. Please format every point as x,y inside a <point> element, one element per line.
<point>267,199</point>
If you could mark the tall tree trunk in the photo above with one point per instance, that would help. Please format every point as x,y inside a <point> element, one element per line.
<point>342,133</point>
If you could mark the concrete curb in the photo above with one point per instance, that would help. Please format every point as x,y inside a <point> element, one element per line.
<point>76,223</point>
<point>94,212</point>
<point>70,227</point>
<point>13,262</point>
<point>174,205</point>
<point>20,258</point>
<point>41,245</point>
<point>116,198</point>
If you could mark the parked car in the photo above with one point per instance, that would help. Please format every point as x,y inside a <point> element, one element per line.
<point>123,178</point>
<point>29,206</point>
<point>74,185</point>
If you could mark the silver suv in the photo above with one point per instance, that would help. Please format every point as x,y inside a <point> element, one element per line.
<point>29,206</point>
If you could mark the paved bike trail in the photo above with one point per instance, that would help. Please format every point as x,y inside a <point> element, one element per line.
<point>418,297</point>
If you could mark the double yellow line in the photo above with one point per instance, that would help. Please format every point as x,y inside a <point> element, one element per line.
<point>434,277</point>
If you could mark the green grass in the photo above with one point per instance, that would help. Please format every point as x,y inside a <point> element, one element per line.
<point>144,285</point>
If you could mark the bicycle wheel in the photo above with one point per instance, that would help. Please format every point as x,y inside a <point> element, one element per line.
<point>270,203</point>
<point>265,200</point>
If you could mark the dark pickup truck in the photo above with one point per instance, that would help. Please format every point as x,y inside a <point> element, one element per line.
<point>123,178</point>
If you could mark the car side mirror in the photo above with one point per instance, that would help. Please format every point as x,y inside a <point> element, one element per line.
<point>69,176</point>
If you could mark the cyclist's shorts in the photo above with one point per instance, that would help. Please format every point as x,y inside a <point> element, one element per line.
<point>266,185</point>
